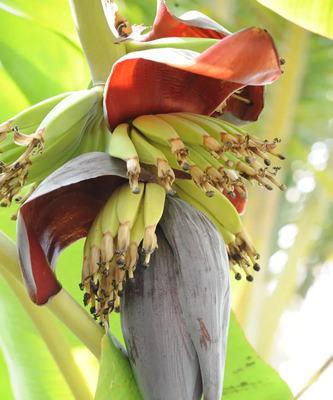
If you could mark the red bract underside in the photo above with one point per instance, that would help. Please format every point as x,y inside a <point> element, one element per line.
<point>168,80</point>
<point>193,24</point>
<point>57,215</point>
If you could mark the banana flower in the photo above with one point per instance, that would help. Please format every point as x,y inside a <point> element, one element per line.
<point>163,102</point>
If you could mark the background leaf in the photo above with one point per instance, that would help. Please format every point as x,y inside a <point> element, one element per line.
<point>314,15</point>
<point>247,376</point>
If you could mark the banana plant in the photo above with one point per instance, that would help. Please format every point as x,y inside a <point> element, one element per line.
<point>166,106</point>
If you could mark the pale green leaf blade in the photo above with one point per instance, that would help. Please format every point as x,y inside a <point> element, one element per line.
<point>5,386</point>
<point>54,15</point>
<point>39,61</point>
<point>247,376</point>
<point>116,380</point>
<point>313,15</point>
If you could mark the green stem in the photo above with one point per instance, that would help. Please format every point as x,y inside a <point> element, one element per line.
<point>195,44</point>
<point>63,306</point>
<point>53,338</point>
<point>98,42</point>
<point>77,320</point>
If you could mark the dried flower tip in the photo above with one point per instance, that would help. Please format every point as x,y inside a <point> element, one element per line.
<point>201,180</point>
<point>181,152</point>
<point>281,186</point>
<point>213,146</point>
<point>107,248</point>
<point>133,173</point>
<point>123,240</point>
<point>166,175</point>
<point>256,267</point>
<point>237,275</point>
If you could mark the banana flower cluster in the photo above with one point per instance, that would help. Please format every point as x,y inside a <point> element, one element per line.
<point>168,115</point>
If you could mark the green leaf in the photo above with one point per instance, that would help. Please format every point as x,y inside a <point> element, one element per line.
<point>247,376</point>
<point>313,15</point>
<point>39,61</point>
<point>53,15</point>
<point>116,380</point>
<point>5,387</point>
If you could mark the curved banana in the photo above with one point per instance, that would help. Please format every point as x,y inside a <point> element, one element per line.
<point>66,114</point>
<point>127,209</point>
<point>159,131</point>
<point>137,234</point>
<point>151,155</point>
<point>219,206</point>
<point>110,225</point>
<point>28,120</point>
<point>214,176</point>
<point>121,146</point>
<point>153,202</point>
<point>191,133</point>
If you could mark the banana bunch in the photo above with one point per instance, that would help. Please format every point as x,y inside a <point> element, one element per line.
<point>219,159</point>
<point>43,137</point>
<point>126,223</point>
<point>213,152</point>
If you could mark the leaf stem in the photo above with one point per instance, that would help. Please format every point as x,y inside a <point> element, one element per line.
<point>52,336</point>
<point>63,306</point>
<point>99,44</point>
<point>78,320</point>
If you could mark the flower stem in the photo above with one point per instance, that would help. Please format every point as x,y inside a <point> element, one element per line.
<point>53,338</point>
<point>98,42</point>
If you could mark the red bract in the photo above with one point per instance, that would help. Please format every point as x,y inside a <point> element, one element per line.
<point>170,80</point>
<point>60,212</point>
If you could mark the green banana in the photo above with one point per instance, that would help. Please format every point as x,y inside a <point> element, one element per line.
<point>214,176</point>
<point>121,146</point>
<point>191,133</point>
<point>240,250</point>
<point>128,205</point>
<point>137,234</point>
<point>51,134</point>
<point>211,127</point>
<point>153,202</point>
<point>110,225</point>
<point>159,131</point>
<point>151,155</point>
<point>219,206</point>
<point>28,120</point>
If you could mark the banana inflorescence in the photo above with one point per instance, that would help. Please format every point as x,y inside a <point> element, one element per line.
<point>219,159</point>
<point>123,231</point>
<point>43,137</point>
<point>205,160</point>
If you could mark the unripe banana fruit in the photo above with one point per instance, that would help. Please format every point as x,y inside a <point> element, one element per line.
<point>48,134</point>
<point>112,246</point>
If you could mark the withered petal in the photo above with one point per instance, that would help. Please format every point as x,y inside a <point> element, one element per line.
<point>59,212</point>
<point>171,80</point>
